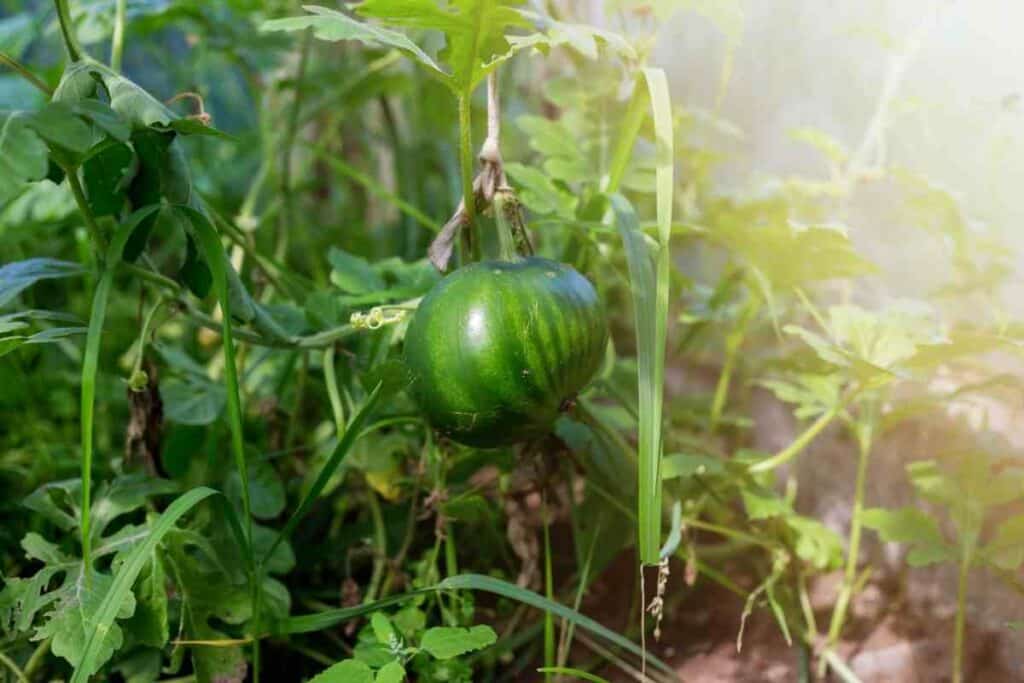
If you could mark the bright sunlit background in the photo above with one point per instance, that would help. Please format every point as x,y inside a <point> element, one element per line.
<point>949,75</point>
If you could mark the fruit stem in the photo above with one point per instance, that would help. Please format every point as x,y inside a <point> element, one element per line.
<point>506,218</point>
<point>466,169</point>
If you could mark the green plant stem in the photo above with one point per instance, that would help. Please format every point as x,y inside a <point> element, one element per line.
<point>380,552</point>
<point>331,380</point>
<point>726,531</point>
<point>99,243</point>
<point>38,658</point>
<point>144,332</point>
<point>799,444</point>
<point>300,392</point>
<point>865,436</point>
<point>466,166</point>
<point>19,68</point>
<point>961,612</point>
<point>13,666</point>
<point>549,590</point>
<point>732,346</point>
<point>67,31</point>
<point>287,221</point>
<point>117,37</point>
<point>313,341</point>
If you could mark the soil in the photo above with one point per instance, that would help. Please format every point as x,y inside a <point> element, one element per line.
<point>888,638</point>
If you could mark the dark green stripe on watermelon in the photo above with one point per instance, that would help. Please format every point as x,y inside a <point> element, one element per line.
<point>497,348</point>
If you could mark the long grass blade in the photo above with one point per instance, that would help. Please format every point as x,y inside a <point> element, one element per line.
<point>90,363</point>
<point>632,121</point>
<point>318,621</point>
<point>377,188</point>
<point>216,259</point>
<point>649,282</point>
<point>213,252</point>
<point>661,107</point>
<point>345,443</point>
<point>643,287</point>
<point>327,618</point>
<point>505,589</point>
<point>125,577</point>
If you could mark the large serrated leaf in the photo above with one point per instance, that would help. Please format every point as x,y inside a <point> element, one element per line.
<point>328,24</point>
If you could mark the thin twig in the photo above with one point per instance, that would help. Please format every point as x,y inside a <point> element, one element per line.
<point>16,66</point>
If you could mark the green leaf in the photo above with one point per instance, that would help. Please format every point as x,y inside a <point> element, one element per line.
<point>683,465</point>
<point>341,450</point>
<point>72,612</point>
<point>209,595</point>
<point>193,401</point>
<point>77,83</point>
<point>392,672</point>
<point>345,671</point>
<point>1006,549</point>
<point>20,275</point>
<point>134,104</point>
<point>816,543</point>
<point>75,620</point>
<point>540,194</point>
<point>873,345</point>
<point>785,253</point>
<point>353,274</point>
<point>474,31</point>
<point>566,160</point>
<point>932,483</point>
<point>187,126</point>
<point>813,393</point>
<point>241,304</point>
<point>24,156</point>
<point>328,24</point>
<point>764,503</point>
<point>384,631</point>
<point>446,642</point>
<point>266,491</point>
<point>106,172</point>
<point>913,527</point>
<point>58,125</point>
<point>194,272</point>
<point>105,118</point>
<point>283,559</point>
<point>119,594</point>
<point>643,285</point>
<point>148,625</point>
<point>582,38</point>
